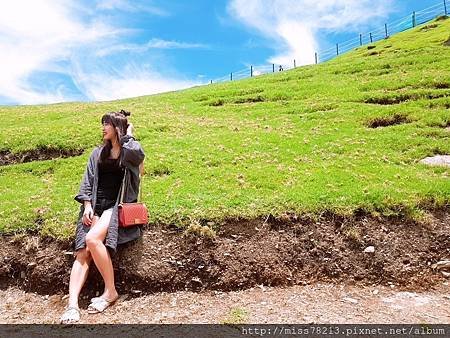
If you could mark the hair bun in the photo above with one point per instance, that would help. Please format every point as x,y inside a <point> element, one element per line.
<point>125,113</point>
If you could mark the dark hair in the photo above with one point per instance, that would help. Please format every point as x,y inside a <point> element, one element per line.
<point>117,120</point>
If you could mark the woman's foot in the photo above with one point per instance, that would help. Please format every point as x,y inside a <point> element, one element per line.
<point>100,304</point>
<point>70,316</point>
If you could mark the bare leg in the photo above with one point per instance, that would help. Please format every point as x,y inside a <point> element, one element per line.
<point>102,259</point>
<point>78,275</point>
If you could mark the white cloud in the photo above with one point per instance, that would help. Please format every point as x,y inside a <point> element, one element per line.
<point>102,84</point>
<point>33,36</point>
<point>130,6</point>
<point>63,37</point>
<point>152,44</point>
<point>293,24</point>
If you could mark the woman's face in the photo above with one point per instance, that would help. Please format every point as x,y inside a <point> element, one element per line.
<point>109,133</point>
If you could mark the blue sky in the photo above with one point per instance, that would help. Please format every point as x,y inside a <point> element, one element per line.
<point>96,50</point>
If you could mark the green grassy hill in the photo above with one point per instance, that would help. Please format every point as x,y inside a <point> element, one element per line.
<point>341,136</point>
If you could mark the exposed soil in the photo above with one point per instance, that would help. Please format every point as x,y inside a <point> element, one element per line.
<point>428,27</point>
<point>447,43</point>
<point>388,121</point>
<point>388,100</point>
<point>289,251</point>
<point>442,85</point>
<point>399,98</point>
<point>40,154</point>
<point>251,99</point>
<point>216,103</point>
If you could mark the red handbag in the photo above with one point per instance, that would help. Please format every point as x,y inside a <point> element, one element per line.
<point>131,214</point>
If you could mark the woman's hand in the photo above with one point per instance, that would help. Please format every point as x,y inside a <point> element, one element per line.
<point>130,129</point>
<point>88,214</point>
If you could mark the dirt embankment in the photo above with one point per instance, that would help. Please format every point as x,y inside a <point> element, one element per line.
<point>247,253</point>
<point>39,154</point>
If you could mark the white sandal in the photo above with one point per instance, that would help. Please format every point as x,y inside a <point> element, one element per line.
<point>100,304</point>
<point>70,316</point>
<point>95,299</point>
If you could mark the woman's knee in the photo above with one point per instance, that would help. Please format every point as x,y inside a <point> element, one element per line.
<point>92,241</point>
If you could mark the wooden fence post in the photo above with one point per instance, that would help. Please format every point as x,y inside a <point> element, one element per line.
<point>315,56</point>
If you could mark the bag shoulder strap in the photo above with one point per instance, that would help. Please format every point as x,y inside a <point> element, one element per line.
<point>122,188</point>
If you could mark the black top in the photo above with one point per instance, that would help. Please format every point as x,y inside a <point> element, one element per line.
<point>109,179</point>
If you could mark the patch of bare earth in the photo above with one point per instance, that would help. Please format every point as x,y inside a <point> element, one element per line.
<point>284,252</point>
<point>40,154</point>
<point>388,121</point>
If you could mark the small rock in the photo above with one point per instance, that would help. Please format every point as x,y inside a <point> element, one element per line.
<point>31,265</point>
<point>350,300</point>
<point>438,160</point>
<point>210,223</point>
<point>22,274</point>
<point>375,292</point>
<point>97,293</point>
<point>369,249</point>
<point>68,253</point>
<point>136,291</point>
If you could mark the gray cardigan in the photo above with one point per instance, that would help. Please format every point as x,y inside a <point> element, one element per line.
<point>131,157</point>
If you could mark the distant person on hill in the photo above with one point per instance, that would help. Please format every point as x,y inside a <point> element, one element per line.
<point>98,232</point>
<point>280,69</point>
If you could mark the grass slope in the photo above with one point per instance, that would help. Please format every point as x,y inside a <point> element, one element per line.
<point>291,142</point>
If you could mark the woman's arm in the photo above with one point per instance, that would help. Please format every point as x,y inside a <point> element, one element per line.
<point>132,153</point>
<point>141,169</point>
<point>85,192</point>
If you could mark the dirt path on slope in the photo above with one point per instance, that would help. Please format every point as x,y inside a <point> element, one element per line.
<point>318,303</point>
